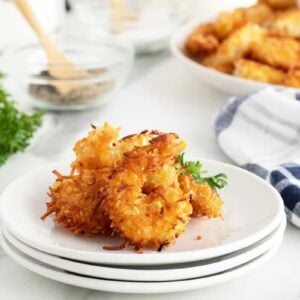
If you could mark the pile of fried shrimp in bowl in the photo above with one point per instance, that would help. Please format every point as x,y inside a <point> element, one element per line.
<point>138,187</point>
<point>260,43</point>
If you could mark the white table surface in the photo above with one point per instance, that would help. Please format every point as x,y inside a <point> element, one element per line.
<point>160,94</point>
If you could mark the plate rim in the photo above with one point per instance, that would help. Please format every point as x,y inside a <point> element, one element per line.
<point>146,258</point>
<point>138,287</point>
<point>153,275</point>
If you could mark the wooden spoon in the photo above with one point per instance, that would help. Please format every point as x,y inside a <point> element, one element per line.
<point>59,66</point>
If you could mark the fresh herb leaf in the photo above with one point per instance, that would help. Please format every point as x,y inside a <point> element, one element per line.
<point>16,127</point>
<point>181,159</point>
<point>194,168</point>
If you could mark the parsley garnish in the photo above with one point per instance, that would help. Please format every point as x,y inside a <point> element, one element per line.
<point>16,128</point>
<point>194,168</point>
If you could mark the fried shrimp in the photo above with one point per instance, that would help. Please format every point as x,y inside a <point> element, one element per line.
<point>101,148</point>
<point>280,4</point>
<point>202,41</point>
<point>287,24</point>
<point>228,22</point>
<point>97,149</point>
<point>144,199</point>
<point>207,38</point>
<point>260,42</point>
<point>77,199</point>
<point>253,70</point>
<point>77,202</point>
<point>293,78</point>
<point>136,187</point>
<point>234,47</point>
<point>204,199</point>
<point>277,52</point>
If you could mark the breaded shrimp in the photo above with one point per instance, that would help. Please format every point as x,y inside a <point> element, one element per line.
<point>101,148</point>
<point>215,61</point>
<point>252,70</point>
<point>293,79</point>
<point>202,41</point>
<point>228,22</point>
<point>277,52</point>
<point>204,199</point>
<point>258,14</point>
<point>77,199</point>
<point>97,150</point>
<point>131,187</point>
<point>280,4</point>
<point>234,47</point>
<point>77,202</point>
<point>287,24</point>
<point>144,199</point>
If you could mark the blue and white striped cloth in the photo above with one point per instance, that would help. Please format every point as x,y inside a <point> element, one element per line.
<point>261,132</point>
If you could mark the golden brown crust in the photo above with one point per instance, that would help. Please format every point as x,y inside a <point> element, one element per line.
<point>234,47</point>
<point>277,52</point>
<point>287,24</point>
<point>131,187</point>
<point>280,4</point>
<point>144,199</point>
<point>253,70</point>
<point>228,22</point>
<point>293,79</point>
<point>202,41</point>
<point>204,199</point>
<point>77,199</point>
<point>215,61</point>
<point>77,202</point>
<point>260,42</point>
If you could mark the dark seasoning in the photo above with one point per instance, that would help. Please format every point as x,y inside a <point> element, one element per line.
<point>80,94</point>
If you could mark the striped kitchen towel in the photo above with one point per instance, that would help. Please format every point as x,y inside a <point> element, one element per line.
<point>261,132</point>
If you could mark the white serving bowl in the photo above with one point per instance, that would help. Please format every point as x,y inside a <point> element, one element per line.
<point>228,83</point>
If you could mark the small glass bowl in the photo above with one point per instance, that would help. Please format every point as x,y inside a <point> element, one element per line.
<point>106,64</point>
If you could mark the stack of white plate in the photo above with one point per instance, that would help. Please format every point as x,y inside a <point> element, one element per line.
<point>209,252</point>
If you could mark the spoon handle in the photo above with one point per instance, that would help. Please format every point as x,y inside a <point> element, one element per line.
<point>28,14</point>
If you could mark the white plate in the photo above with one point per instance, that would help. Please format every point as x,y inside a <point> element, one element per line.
<point>228,83</point>
<point>252,209</point>
<point>133,287</point>
<point>158,273</point>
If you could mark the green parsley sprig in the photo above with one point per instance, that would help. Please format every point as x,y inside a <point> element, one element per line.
<point>194,168</point>
<point>16,127</point>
